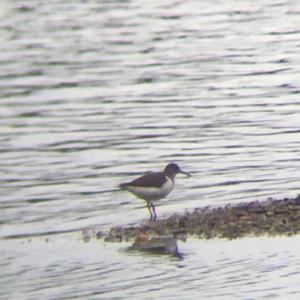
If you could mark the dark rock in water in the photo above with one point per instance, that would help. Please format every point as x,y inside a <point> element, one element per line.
<point>87,235</point>
<point>113,238</point>
<point>158,245</point>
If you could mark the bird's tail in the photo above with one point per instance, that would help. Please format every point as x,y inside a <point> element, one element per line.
<point>123,186</point>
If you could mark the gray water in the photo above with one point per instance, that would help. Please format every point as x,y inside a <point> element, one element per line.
<point>94,93</point>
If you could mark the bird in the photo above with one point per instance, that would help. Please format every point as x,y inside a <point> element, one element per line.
<point>156,245</point>
<point>154,186</point>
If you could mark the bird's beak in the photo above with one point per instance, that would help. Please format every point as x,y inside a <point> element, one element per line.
<point>185,173</point>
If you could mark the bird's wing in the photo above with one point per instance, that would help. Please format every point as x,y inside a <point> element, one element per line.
<point>156,179</point>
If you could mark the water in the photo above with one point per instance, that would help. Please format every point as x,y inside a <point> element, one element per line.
<point>93,93</point>
<point>243,269</point>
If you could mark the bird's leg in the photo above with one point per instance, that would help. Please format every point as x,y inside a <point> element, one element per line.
<point>153,211</point>
<point>149,208</point>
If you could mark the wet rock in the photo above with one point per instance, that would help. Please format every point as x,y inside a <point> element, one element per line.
<point>87,234</point>
<point>100,234</point>
<point>180,235</point>
<point>114,238</point>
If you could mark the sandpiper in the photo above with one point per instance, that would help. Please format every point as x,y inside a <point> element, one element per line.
<point>154,186</point>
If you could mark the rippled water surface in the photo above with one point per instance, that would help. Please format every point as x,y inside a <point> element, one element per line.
<point>93,93</point>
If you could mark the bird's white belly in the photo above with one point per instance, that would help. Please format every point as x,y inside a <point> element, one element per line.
<point>153,193</point>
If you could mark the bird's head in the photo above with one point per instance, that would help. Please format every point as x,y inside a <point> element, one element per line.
<point>173,169</point>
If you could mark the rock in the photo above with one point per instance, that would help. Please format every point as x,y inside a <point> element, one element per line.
<point>114,238</point>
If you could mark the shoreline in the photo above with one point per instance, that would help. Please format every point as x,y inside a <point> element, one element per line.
<point>256,218</point>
